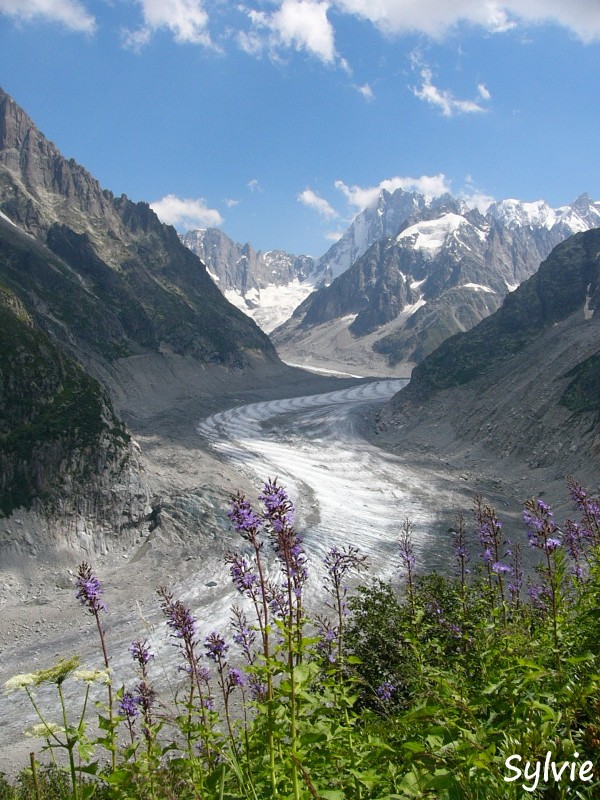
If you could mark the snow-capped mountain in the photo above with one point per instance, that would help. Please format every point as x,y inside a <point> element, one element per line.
<point>443,270</point>
<point>522,389</point>
<point>267,286</point>
<point>378,221</point>
<point>407,273</point>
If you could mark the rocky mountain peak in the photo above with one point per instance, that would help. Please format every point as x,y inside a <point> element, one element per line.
<point>34,168</point>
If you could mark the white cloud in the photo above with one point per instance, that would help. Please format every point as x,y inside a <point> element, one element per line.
<point>444,100</point>
<point>296,24</point>
<point>366,91</point>
<point>186,214</point>
<point>474,197</point>
<point>478,200</point>
<point>230,202</point>
<point>186,19</point>
<point>484,92</point>
<point>313,200</point>
<point>580,16</point>
<point>436,17</point>
<point>360,197</point>
<point>334,236</point>
<point>70,13</point>
<point>433,17</point>
<point>254,185</point>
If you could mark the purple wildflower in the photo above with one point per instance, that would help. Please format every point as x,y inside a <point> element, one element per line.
<point>590,511</point>
<point>539,595</point>
<point>278,602</point>
<point>236,677</point>
<point>459,545</point>
<point>89,589</point>
<point>245,520</point>
<point>499,568</point>
<point>215,646</point>
<point>179,618</point>
<point>278,506</point>
<point>243,636</point>
<point>385,691</point>
<point>141,653</point>
<point>542,529</point>
<point>327,646</point>
<point>129,706</point>
<point>574,538</point>
<point>407,555</point>
<point>244,578</point>
<point>146,697</point>
<point>339,563</point>
<point>258,689</point>
<point>208,703</point>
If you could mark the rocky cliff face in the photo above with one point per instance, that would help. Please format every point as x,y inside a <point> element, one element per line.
<point>121,264</point>
<point>567,282</point>
<point>378,221</point>
<point>240,267</point>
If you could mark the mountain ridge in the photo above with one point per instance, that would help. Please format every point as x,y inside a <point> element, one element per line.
<point>518,394</point>
<point>443,271</point>
<point>119,251</point>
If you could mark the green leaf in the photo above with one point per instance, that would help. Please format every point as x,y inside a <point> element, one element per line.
<point>104,723</point>
<point>441,779</point>
<point>413,747</point>
<point>118,777</point>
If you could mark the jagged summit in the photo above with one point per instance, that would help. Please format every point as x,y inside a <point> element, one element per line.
<point>443,269</point>
<point>265,285</point>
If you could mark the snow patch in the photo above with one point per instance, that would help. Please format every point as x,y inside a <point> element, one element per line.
<point>322,370</point>
<point>514,214</point>
<point>430,236</point>
<point>588,312</point>
<point>277,303</point>
<point>408,311</point>
<point>14,224</point>
<point>478,287</point>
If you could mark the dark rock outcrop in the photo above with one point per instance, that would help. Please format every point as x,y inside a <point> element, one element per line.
<point>63,450</point>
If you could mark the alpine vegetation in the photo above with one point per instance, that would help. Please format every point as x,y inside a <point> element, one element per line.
<point>481,685</point>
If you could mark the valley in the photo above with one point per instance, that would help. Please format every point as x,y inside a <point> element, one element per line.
<point>310,431</point>
<point>157,395</point>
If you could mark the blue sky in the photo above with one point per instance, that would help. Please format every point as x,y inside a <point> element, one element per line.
<point>279,120</point>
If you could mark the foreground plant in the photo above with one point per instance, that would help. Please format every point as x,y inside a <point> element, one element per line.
<point>62,735</point>
<point>445,692</point>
